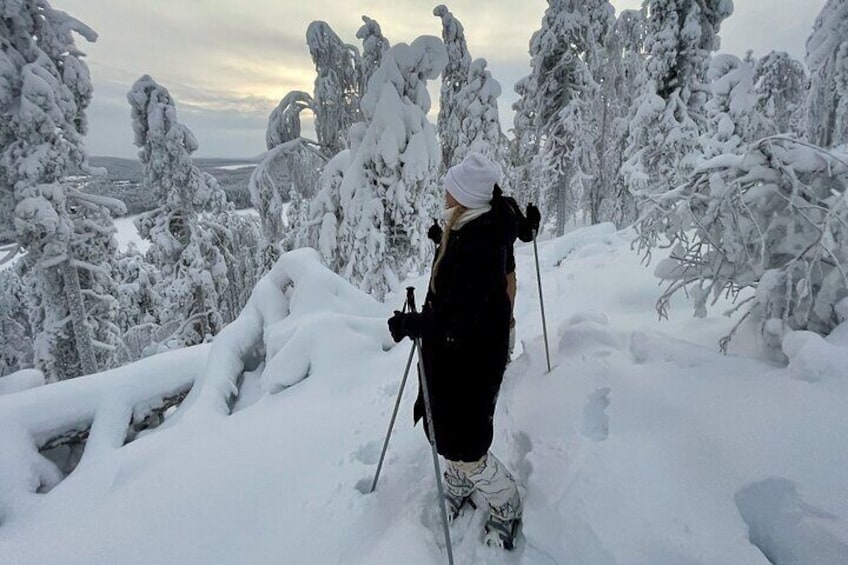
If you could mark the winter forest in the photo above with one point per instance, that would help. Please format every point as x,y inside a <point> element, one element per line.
<point>723,177</point>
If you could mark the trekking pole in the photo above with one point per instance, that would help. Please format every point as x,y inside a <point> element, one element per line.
<point>541,301</point>
<point>394,415</point>
<point>422,377</point>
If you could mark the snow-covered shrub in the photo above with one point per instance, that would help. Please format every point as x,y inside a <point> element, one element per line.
<point>773,220</point>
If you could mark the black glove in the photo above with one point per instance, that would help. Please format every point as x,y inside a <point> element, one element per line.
<point>396,326</point>
<point>534,218</point>
<point>403,325</point>
<point>435,233</point>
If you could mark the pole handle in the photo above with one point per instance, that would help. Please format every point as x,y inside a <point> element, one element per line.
<point>410,298</point>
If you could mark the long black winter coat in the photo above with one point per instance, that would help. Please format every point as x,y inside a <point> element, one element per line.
<point>465,343</point>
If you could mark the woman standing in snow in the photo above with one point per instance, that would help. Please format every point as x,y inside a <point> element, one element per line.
<point>464,328</point>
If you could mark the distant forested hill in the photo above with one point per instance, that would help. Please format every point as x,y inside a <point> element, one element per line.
<point>123,180</point>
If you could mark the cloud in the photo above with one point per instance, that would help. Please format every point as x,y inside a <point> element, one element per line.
<point>228,64</point>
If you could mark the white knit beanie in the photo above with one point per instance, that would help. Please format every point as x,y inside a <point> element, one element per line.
<point>472,182</point>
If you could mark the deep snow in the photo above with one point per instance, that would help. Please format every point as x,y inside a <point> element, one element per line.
<point>644,445</point>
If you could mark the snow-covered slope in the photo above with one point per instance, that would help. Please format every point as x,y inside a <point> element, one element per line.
<point>643,445</point>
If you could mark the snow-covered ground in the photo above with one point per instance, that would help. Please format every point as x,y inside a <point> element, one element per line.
<point>643,445</point>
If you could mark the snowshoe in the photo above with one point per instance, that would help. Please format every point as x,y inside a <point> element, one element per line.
<point>456,504</point>
<point>501,533</point>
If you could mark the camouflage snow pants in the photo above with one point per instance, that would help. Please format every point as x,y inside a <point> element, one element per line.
<point>490,478</point>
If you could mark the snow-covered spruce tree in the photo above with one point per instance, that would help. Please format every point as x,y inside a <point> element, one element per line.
<point>65,233</point>
<point>566,71</point>
<point>388,193</point>
<point>773,220</point>
<point>374,46</point>
<point>665,126</point>
<point>454,79</point>
<point>827,61</point>
<point>524,146</point>
<point>480,128</point>
<point>336,96</point>
<point>781,85</point>
<point>15,333</point>
<point>185,231</point>
<point>733,117</point>
<point>625,57</point>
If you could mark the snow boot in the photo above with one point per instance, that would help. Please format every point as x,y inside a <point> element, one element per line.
<point>501,533</point>
<point>456,504</point>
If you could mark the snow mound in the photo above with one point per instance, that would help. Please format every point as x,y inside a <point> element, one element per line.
<point>588,333</point>
<point>813,359</point>
<point>21,380</point>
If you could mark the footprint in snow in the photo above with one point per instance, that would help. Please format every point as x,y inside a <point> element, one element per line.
<point>595,418</point>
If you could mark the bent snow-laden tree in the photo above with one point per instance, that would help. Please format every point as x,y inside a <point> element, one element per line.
<point>66,235</point>
<point>336,86</point>
<point>454,79</point>
<point>827,60</point>
<point>388,192</point>
<point>773,220</point>
<point>288,173</point>
<point>184,233</point>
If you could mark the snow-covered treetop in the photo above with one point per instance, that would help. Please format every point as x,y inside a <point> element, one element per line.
<point>284,121</point>
<point>681,35</point>
<point>571,30</point>
<point>165,147</point>
<point>374,46</point>
<point>337,85</point>
<point>732,109</point>
<point>459,59</point>
<point>781,84</point>
<point>630,30</point>
<point>408,68</point>
<point>828,33</point>
<point>45,89</point>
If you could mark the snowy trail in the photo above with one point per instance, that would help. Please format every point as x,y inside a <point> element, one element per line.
<point>644,445</point>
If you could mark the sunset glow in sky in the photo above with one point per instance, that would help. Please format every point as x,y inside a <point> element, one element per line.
<point>229,63</point>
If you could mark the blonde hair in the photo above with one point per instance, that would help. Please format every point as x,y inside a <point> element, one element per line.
<point>458,211</point>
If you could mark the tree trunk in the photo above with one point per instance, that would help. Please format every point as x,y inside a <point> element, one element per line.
<point>82,332</point>
<point>561,205</point>
<point>600,187</point>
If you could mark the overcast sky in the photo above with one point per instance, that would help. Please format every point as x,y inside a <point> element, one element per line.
<point>228,63</point>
